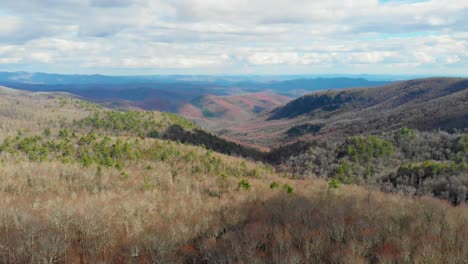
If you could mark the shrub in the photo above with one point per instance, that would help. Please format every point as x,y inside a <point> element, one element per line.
<point>123,175</point>
<point>274,185</point>
<point>46,132</point>
<point>334,183</point>
<point>287,188</point>
<point>343,170</point>
<point>64,133</point>
<point>244,185</point>
<point>86,160</point>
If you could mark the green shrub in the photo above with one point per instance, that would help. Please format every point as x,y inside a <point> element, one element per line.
<point>34,148</point>
<point>119,165</point>
<point>244,185</point>
<point>274,185</point>
<point>46,132</point>
<point>287,188</point>
<point>8,145</point>
<point>334,183</point>
<point>86,160</point>
<point>64,133</point>
<point>123,175</point>
<point>87,139</point>
<point>343,170</point>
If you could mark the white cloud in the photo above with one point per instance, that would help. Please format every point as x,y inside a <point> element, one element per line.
<point>4,50</point>
<point>64,45</point>
<point>290,58</point>
<point>372,56</point>
<point>207,34</point>
<point>110,3</point>
<point>10,60</point>
<point>42,57</point>
<point>423,57</point>
<point>8,25</point>
<point>452,59</point>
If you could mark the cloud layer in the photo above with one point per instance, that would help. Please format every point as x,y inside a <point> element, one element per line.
<point>211,36</point>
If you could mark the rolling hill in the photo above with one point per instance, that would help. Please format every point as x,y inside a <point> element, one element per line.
<point>424,104</point>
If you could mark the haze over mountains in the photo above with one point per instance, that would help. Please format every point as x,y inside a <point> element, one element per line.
<point>177,93</point>
<point>76,79</point>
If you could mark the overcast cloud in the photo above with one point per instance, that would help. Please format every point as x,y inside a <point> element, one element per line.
<point>232,37</point>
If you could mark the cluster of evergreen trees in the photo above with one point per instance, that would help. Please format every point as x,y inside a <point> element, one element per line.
<point>117,152</point>
<point>135,123</point>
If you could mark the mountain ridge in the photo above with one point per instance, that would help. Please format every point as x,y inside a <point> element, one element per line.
<point>424,104</point>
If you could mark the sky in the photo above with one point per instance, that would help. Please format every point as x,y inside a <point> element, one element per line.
<point>129,37</point>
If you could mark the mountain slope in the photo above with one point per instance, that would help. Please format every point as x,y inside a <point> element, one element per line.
<point>215,112</point>
<point>423,104</point>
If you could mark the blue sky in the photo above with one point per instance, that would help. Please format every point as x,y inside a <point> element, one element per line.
<point>235,37</point>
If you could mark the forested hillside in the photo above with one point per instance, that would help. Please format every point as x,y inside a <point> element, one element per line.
<point>84,184</point>
<point>423,104</point>
<point>405,161</point>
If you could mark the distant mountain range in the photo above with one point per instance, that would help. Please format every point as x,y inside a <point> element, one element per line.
<point>57,79</point>
<point>174,93</point>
